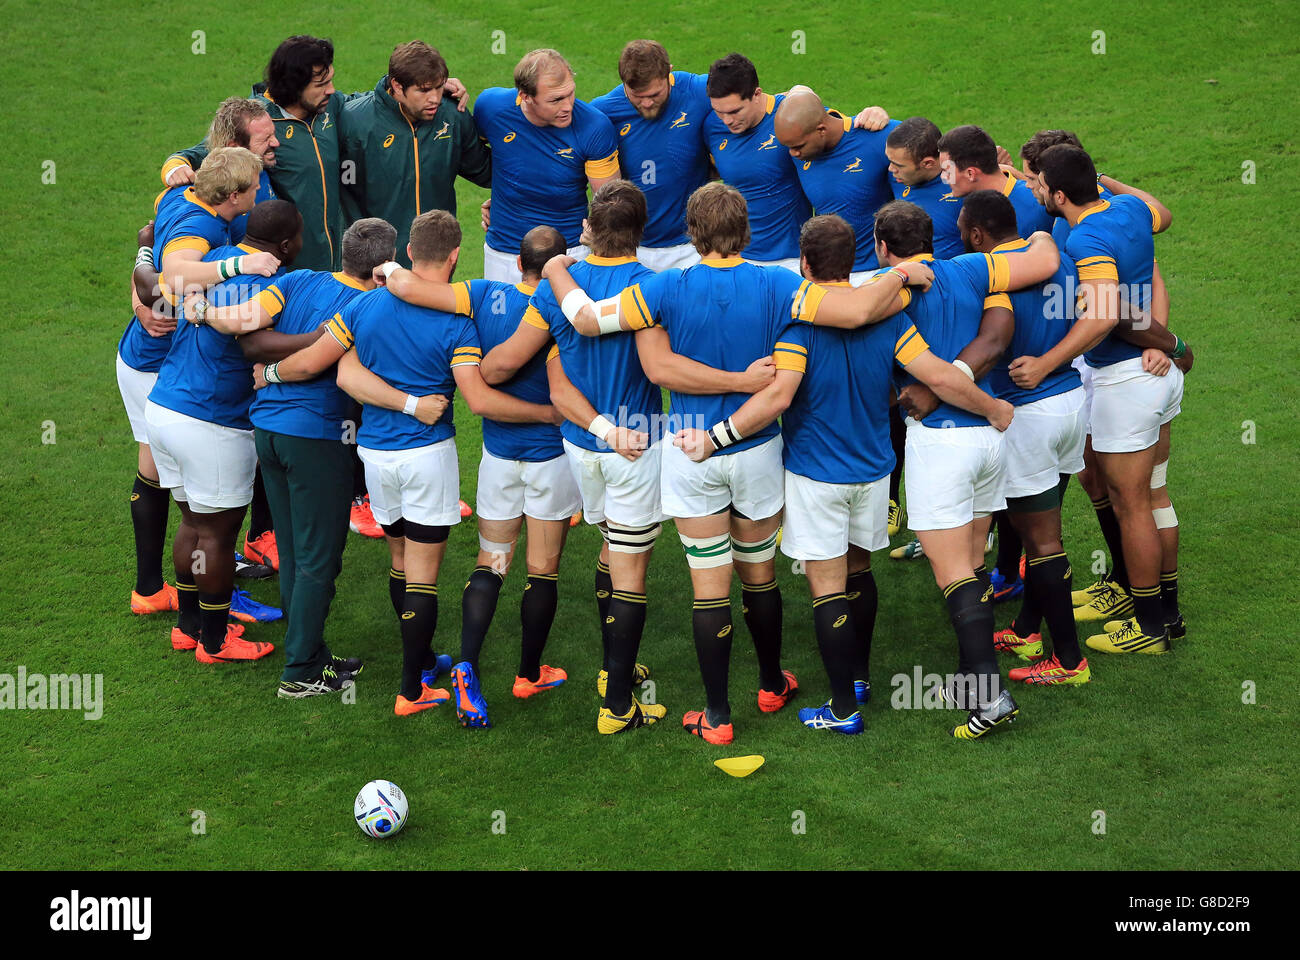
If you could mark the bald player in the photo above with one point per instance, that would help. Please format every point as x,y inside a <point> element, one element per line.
<point>842,169</point>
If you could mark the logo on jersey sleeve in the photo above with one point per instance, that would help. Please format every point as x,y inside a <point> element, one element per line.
<point>444,133</point>
<point>288,133</point>
<point>769,143</point>
<point>722,145</point>
<point>508,137</point>
<point>626,128</point>
<point>679,122</point>
<point>855,166</point>
<point>388,141</point>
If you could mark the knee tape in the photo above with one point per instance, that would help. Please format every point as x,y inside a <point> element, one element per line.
<point>1165,517</point>
<point>760,551</point>
<point>631,539</point>
<point>703,553</point>
<point>491,546</point>
<point>1158,473</point>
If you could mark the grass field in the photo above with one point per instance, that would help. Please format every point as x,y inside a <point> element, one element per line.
<point>1187,774</point>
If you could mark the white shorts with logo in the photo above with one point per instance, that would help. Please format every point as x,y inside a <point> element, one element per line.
<point>662,258</point>
<point>951,475</point>
<point>502,266</point>
<point>750,480</point>
<point>791,263</point>
<point>617,489</point>
<point>822,519</point>
<point>421,485</point>
<point>134,385</point>
<point>1045,440</point>
<point>543,489</point>
<point>1129,405</point>
<point>205,464</point>
<point>1085,377</point>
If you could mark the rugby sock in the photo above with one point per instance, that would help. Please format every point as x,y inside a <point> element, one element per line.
<point>477,605</point>
<point>897,439</point>
<point>970,609</point>
<point>983,576</point>
<point>149,504</point>
<point>1052,581</point>
<point>397,590</point>
<point>1148,610</point>
<point>536,613</point>
<point>1030,618</point>
<point>187,603</point>
<point>1169,595</point>
<point>860,591</point>
<point>418,620</point>
<point>1109,524</point>
<point>836,640</point>
<point>1009,548</point>
<point>711,624</point>
<point>604,588</point>
<point>214,611</point>
<point>259,513</point>
<point>761,605</point>
<point>626,623</point>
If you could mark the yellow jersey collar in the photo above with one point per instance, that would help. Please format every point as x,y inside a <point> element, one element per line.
<point>526,288</point>
<point>1009,246</point>
<point>193,197</point>
<point>922,257</point>
<point>1104,205</point>
<point>723,263</point>
<point>609,261</point>
<point>247,249</point>
<point>348,281</point>
<point>1008,186</point>
<point>771,102</point>
<point>834,283</point>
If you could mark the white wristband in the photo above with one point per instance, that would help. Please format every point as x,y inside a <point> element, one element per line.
<point>271,373</point>
<point>600,427</point>
<point>724,434</point>
<point>409,407</point>
<point>389,268</point>
<point>964,368</point>
<point>573,302</point>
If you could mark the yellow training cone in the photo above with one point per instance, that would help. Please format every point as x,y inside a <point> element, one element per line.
<point>739,766</point>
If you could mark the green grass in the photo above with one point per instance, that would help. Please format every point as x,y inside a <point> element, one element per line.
<point>1188,775</point>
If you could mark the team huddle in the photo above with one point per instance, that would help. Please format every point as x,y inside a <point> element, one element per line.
<point>839,306</point>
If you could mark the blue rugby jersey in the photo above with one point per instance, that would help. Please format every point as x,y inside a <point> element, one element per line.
<point>936,198</point>
<point>205,374</point>
<point>852,179</point>
<point>539,174</point>
<point>948,315</point>
<point>606,370</point>
<point>836,429</point>
<point>181,222</point>
<point>1113,241</point>
<point>756,164</point>
<point>666,157</point>
<point>726,314</point>
<point>414,349</point>
<point>496,309</point>
<point>1043,316</point>
<point>314,409</point>
<point>1031,216</point>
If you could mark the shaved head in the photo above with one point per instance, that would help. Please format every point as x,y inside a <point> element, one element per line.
<point>801,125</point>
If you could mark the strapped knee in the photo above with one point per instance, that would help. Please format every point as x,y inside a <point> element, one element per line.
<point>1165,517</point>
<point>703,553</point>
<point>757,551</point>
<point>624,539</point>
<point>1158,474</point>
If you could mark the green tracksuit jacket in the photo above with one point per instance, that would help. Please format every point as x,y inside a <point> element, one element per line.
<point>396,169</point>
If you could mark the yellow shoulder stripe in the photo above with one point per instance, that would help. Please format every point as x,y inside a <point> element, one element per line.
<point>910,346</point>
<point>339,331</point>
<point>463,305</point>
<point>599,169</point>
<point>997,300</point>
<point>999,272</point>
<point>534,318</point>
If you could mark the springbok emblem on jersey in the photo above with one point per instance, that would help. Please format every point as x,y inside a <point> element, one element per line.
<point>769,143</point>
<point>444,133</point>
<point>855,166</point>
<point>679,122</point>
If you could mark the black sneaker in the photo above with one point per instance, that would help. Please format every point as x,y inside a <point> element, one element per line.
<point>1177,628</point>
<point>251,571</point>
<point>329,681</point>
<point>1001,711</point>
<point>352,665</point>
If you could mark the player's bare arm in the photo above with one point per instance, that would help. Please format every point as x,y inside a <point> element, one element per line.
<point>504,360</point>
<point>953,386</point>
<point>235,318</point>
<point>980,355</point>
<point>882,297</point>
<point>680,374</point>
<point>577,409</point>
<point>367,387</point>
<point>305,364</point>
<point>1094,324</point>
<point>183,270</point>
<point>1115,186</point>
<point>753,415</point>
<point>268,346</point>
<point>405,285</point>
<point>485,401</point>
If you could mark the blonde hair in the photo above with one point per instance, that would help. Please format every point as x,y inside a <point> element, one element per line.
<point>717,219</point>
<point>537,64</point>
<point>230,124</point>
<point>226,171</point>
